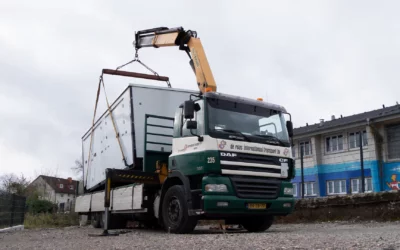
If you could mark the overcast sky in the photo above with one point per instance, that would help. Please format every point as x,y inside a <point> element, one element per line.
<point>316,58</point>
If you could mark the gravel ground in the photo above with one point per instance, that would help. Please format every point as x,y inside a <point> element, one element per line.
<point>306,236</point>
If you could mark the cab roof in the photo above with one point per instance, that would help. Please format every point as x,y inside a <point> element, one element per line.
<point>244,100</point>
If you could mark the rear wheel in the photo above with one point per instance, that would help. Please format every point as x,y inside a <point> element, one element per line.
<point>97,220</point>
<point>175,212</point>
<point>258,224</point>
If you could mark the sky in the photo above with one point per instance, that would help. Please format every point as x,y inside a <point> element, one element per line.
<point>316,58</point>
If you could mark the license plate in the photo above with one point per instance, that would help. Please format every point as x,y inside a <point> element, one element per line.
<point>256,206</point>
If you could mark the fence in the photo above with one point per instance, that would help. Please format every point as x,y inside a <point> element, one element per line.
<point>12,209</point>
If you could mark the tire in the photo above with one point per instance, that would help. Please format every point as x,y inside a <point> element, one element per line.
<point>175,212</point>
<point>258,224</point>
<point>96,220</point>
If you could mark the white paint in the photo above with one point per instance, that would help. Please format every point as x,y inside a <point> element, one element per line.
<point>106,152</point>
<point>191,144</point>
<point>97,202</point>
<point>158,101</point>
<point>249,173</point>
<point>127,198</point>
<point>248,164</point>
<point>82,203</point>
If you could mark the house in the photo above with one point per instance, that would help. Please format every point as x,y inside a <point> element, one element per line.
<point>57,190</point>
<point>332,153</point>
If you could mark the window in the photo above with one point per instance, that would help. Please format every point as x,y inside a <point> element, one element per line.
<point>306,145</point>
<point>393,138</point>
<point>334,143</point>
<point>354,139</point>
<point>294,189</point>
<point>61,186</point>
<point>293,151</point>
<point>310,188</point>
<point>356,185</point>
<point>336,187</point>
<point>71,187</point>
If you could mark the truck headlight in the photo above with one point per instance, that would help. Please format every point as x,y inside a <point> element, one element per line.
<point>216,188</point>
<point>288,191</point>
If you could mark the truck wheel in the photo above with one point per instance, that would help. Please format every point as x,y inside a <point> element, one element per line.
<point>96,220</point>
<point>258,224</point>
<point>175,212</point>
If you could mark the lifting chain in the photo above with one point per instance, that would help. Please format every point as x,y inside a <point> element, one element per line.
<point>136,59</point>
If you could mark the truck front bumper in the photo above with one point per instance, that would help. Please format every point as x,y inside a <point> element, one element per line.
<point>227,202</point>
<point>231,205</point>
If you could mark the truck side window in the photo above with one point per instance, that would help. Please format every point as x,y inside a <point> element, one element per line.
<point>199,117</point>
<point>178,123</point>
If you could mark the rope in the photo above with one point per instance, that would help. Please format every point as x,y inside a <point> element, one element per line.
<point>91,135</point>
<point>101,82</point>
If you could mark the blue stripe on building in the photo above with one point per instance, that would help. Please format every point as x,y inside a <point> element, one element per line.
<point>344,171</point>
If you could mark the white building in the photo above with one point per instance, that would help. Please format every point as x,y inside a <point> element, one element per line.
<point>57,190</point>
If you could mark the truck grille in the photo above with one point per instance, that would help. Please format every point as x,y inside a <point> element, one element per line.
<point>256,187</point>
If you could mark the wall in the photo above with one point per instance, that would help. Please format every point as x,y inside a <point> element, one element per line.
<point>44,189</point>
<point>323,166</point>
<point>382,206</point>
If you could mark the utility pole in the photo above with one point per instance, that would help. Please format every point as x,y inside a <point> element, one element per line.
<point>362,164</point>
<point>302,170</point>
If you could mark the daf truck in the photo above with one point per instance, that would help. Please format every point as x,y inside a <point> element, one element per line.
<point>171,157</point>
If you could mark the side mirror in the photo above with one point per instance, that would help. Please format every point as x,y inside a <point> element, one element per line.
<point>191,124</point>
<point>289,126</point>
<point>188,109</point>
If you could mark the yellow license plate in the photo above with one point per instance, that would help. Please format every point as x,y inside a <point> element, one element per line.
<point>257,206</point>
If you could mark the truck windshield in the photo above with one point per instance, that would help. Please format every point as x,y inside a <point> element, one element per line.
<point>239,121</point>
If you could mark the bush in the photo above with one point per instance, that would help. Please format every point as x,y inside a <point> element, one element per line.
<point>40,206</point>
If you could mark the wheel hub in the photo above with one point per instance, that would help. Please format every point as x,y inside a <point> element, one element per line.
<point>174,209</point>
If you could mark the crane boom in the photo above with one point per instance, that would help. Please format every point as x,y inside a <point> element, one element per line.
<point>187,41</point>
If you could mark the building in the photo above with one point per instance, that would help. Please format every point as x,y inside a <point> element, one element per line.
<point>331,159</point>
<point>57,190</point>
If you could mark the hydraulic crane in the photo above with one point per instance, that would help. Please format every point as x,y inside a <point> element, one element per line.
<point>187,41</point>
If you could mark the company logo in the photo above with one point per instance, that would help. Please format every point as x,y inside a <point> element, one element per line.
<point>222,144</point>
<point>283,160</point>
<point>286,151</point>
<point>228,154</point>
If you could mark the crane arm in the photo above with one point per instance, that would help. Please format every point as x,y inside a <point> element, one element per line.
<point>187,41</point>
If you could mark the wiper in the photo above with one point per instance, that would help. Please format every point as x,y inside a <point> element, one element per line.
<point>237,132</point>
<point>271,137</point>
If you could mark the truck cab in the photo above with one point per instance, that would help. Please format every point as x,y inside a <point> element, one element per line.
<point>232,156</point>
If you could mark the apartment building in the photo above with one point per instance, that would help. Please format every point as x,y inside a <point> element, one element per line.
<point>331,154</point>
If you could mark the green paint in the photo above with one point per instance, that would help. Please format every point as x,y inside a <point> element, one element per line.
<point>197,163</point>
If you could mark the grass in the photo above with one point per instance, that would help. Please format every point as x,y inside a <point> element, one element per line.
<point>46,220</point>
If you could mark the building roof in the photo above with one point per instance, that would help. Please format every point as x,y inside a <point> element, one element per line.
<point>343,121</point>
<point>54,183</point>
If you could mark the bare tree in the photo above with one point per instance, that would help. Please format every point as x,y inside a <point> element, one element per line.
<point>78,169</point>
<point>14,184</point>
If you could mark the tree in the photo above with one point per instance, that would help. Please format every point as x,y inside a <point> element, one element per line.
<point>78,169</point>
<point>14,184</point>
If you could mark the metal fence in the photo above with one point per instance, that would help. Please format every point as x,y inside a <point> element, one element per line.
<point>12,209</point>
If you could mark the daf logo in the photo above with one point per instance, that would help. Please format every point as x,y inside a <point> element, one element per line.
<point>228,154</point>
<point>283,160</point>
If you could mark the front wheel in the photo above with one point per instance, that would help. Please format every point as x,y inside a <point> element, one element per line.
<point>258,224</point>
<point>175,212</point>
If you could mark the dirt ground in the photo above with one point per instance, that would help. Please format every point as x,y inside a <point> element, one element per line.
<point>280,236</point>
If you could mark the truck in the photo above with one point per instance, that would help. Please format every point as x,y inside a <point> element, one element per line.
<point>170,157</point>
